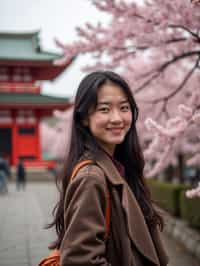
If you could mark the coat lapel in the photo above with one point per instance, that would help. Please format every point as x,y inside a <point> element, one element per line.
<point>137,228</point>
<point>136,225</point>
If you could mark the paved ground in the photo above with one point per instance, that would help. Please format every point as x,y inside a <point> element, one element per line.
<point>23,214</point>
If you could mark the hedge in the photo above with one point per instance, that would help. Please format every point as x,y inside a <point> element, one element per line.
<point>190,210</point>
<point>166,195</point>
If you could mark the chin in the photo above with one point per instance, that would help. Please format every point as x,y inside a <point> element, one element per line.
<point>117,141</point>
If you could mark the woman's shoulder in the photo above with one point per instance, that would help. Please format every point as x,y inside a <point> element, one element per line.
<point>90,172</point>
<point>89,178</point>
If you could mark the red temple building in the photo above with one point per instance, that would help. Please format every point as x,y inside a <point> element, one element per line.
<point>22,106</point>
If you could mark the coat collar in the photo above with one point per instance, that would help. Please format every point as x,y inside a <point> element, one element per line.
<point>106,164</point>
<point>136,225</point>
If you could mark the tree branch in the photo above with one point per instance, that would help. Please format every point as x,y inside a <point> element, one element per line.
<point>162,68</point>
<point>166,98</point>
<point>187,30</point>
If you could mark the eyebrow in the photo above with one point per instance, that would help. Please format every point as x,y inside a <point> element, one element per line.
<point>121,102</point>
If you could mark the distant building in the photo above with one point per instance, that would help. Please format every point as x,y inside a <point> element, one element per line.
<point>22,65</point>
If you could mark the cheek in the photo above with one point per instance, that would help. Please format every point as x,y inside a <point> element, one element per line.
<point>128,119</point>
<point>97,122</point>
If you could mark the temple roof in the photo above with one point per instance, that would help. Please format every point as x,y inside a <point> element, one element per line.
<point>24,50</point>
<point>17,100</point>
<point>23,46</point>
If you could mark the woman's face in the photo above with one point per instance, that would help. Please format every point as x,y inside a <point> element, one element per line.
<point>112,118</point>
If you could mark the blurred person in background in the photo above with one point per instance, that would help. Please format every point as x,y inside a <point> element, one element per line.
<point>4,174</point>
<point>20,175</point>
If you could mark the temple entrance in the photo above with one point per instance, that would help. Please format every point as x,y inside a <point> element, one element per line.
<point>27,143</point>
<point>6,143</point>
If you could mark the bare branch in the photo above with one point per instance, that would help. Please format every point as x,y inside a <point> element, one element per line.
<point>166,98</point>
<point>162,68</point>
<point>175,40</point>
<point>187,30</point>
<point>147,47</point>
<point>177,58</point>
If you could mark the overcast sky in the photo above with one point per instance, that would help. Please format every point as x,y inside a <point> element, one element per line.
<point>54,19</point>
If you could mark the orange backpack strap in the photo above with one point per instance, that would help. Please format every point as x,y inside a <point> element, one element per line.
<point>107,213</point>
<point>79,166</point>
<point>108,207</point>
<point>52,260</point>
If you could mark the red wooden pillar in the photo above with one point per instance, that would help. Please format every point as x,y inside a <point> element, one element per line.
<point>14,141</point>
<point>37,127</point>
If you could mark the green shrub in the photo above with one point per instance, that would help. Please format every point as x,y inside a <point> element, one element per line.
<point>190,210</point>
<point>166,195</point>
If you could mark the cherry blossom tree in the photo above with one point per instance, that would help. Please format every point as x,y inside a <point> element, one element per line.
<point>155,45</point>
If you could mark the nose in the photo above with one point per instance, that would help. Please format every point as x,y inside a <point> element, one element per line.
<point>115,117</point>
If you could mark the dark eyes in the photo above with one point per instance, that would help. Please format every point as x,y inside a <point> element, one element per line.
<point>123,108</point>
<point>103,109</point>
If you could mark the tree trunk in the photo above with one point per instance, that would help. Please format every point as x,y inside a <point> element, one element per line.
<point>169,173</point>
<point>180,168</point>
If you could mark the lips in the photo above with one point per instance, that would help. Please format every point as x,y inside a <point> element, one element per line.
<point>115,130</point>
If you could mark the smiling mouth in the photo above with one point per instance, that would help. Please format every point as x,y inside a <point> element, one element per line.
<point>115,130</point>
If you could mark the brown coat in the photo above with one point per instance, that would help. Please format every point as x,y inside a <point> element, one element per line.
<point>130,242</point>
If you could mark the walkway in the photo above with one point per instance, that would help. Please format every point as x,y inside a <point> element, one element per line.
<point>23,241</point>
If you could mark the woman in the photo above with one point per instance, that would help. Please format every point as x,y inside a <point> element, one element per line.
<point>104,131</point>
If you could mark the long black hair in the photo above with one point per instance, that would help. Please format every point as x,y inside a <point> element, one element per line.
<point>128,152</point>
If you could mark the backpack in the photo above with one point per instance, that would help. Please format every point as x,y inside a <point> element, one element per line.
<point>53,259</point>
